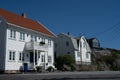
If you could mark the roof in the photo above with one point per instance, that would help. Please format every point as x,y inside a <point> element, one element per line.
<point>24,22</point>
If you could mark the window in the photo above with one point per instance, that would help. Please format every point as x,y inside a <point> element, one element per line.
<point>39,38</point>
<point>49,42</point>
<point>84,45</point>
<point>21,56</point>
<point>42,58</point>
<point>22,36</point>
<point>12,34</point>
<point>11,55</point>
<point>43,39</point>
<point>49,59</point>
<point>33,38</point>
<point>78,54</point>
<point>95,44</point>
<point>87,55</point>
<point>67,43</point>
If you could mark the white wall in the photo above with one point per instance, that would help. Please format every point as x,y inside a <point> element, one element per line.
<point>84,50</point>
<point>19,46</point>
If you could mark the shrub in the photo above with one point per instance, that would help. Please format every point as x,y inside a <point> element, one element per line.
<point>64,60</point>
<point>39,68</point>
<point>50,69</point>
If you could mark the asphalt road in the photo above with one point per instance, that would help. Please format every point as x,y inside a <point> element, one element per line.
<point>99,75</point>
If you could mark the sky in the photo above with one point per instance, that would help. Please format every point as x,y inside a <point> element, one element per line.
<point>91,18</point>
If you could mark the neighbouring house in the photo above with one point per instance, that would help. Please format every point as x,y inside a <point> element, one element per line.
<point>77,47</point>
<point>96,49</point>
<point>94,43</point>
<point>24,41</point>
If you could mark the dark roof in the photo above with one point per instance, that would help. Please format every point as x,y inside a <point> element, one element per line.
<point>24,22</point>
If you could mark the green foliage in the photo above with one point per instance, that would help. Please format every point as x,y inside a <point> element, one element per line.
<point>50,69</point>
<point>64,60</point>
<point>39,68</point>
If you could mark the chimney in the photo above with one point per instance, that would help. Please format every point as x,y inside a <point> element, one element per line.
<point>24,15</point>
<point>68,33</point>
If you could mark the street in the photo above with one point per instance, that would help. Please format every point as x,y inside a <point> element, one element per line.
<point>97,75</point>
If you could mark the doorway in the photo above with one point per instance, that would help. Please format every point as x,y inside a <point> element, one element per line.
<point>32,57</point>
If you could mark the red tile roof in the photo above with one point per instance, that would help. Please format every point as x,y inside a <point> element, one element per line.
<point>24,22</point>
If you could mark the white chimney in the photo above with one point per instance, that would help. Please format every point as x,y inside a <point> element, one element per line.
<point>24,15</point>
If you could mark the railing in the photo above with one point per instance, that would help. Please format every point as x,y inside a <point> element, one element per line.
<point>36,45</point>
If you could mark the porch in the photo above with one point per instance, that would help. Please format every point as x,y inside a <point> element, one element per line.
<point>36,46</point>
<point>34,49</point>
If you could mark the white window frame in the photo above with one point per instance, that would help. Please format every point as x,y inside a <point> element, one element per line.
<point>49,59</point>
<point>49,42</point>
<point>78,54</point>
<point>42,58</point>
<point>22,36</point>
<point>33,38</point>
<point>84,45</point>
<point>21,56</point>
<point>12,55</point>
<point>43,40</point>
<point>87,55</point>
<point>12,34</point>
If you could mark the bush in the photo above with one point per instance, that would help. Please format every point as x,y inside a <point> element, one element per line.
<point>39,68</point>
<point>50,69</point>
<point>64,60</point>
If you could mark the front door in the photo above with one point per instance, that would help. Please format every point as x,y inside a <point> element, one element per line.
<point>32,57</point>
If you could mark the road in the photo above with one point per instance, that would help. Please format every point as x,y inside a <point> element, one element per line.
<point>97,75</point>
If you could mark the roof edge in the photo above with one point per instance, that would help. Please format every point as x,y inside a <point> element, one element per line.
<point>29,29</point>
<point>47,29</point>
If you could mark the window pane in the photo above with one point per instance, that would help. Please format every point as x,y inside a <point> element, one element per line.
<point>49,59</point>
<point>67,43</point>
<point>87,55</point>
<point>42,58</point>
<point>10,55</point>
<point>23,36</point>
<point>10,33</point>
<point>13,55</point>
<point>20,55</point>
<point>14,34</point>
<point>78,54</point>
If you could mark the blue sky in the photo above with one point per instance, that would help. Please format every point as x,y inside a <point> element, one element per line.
<point>92,18</point>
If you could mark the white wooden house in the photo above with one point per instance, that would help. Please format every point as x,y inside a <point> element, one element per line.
<point>77,47</point>
<point>23,40</point>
